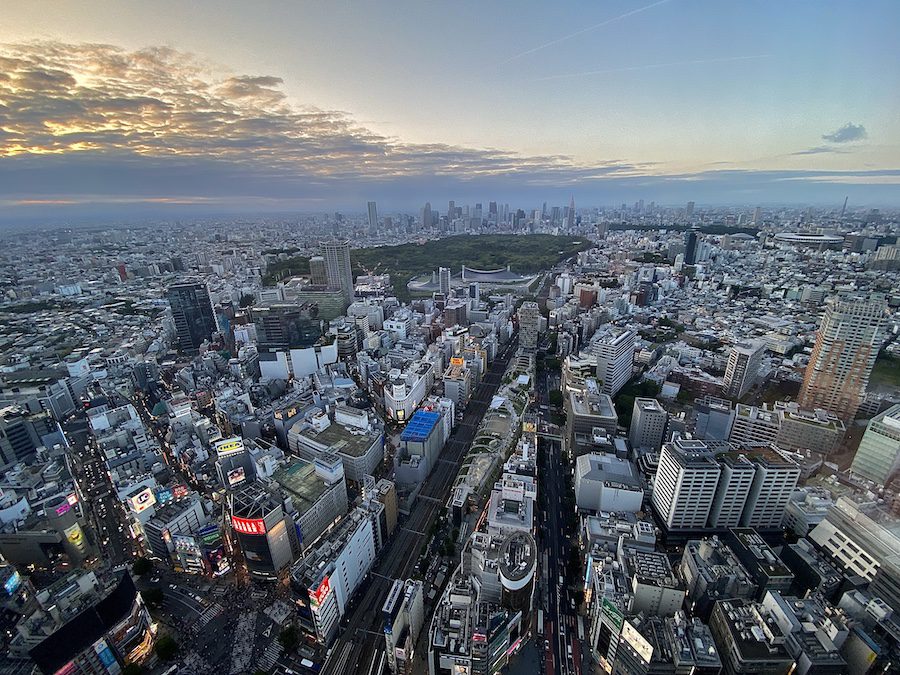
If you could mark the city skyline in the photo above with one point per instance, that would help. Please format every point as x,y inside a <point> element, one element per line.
<point>184,111</point>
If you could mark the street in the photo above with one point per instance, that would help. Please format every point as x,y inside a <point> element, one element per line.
<point>360,647</point>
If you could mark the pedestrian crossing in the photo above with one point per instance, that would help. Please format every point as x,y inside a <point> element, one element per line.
<point>270,655</point>
<point>209,614</point>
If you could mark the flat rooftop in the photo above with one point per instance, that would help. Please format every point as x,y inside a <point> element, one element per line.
<point>339,438</point>
<point>301,481</point>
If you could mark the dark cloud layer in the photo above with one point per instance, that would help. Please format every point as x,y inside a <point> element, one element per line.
<point>104,127</point>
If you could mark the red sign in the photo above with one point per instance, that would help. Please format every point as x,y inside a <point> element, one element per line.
<point>179,491</point>
<point>248,525</point>
<point>321,592</point>
<point>478,637</point>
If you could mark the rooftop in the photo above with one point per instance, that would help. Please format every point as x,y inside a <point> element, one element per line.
<point>420,426</point>
<point>302,482</point>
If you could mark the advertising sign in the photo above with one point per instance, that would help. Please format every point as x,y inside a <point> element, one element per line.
<point>229,446</point>
<point>637,641</point>
<point>75,536</point>
<point>317,596</point>
<point>612,612</point>
<point>457,361</point>
<point>164,495</point>
<point>11,585</point>
<point>248,525</point>
<point>63,508</point>
<point>180,491</point>
<point>236,476</point>
<point>72,499</point>
<point>143,500</point>
<point>209,535</point>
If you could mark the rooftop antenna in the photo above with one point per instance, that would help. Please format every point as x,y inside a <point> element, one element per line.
<point>845,206</point>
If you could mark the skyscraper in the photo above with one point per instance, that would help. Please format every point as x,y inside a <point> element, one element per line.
<point>743,367</point>
<point>689,210</point>
<point>337,267</point>
<point>373,217</point>
<point>192,310</point>
<point>847,345</point>
<point>690,247</point>
<point>529,324</point>
<point>570,219</point>
<point>444,274</point>
<point>426,216</point>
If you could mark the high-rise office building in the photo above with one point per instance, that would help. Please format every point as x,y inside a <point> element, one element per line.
<point>444,280</point>
<point>373,217</point>
<point>570,218</point>
<point>529,324</point>
<point>773,483</point>
<point>847,345</point>
<point>192,311</point>
<point>689,210</point>
<point>690,247</point>
<point>426,216</point>
<point>318,275</point>
<point>743,367</point>
<point>648,424</point>
<point>286,325</point>
<point>685,484</point>
<point>878,456</point>
<point>614,351</point>
<point>337,267</point>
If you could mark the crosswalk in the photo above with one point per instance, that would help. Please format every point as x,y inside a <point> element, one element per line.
<point>209,614</point>
<point>270,655</point>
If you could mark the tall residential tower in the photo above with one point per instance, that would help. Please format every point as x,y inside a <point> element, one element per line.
<point>847,344</point>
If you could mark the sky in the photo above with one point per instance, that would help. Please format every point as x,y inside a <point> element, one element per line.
<point>118,108</point>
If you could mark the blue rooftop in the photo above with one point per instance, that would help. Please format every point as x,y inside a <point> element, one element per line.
<point>420,426</point>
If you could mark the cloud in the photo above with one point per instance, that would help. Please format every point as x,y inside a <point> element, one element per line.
<point>848,133</point>
<point>112,129</point>
<point>820,150</point>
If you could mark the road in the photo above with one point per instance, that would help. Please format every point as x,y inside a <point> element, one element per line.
<point>360,647</point>
<point>560,619</point>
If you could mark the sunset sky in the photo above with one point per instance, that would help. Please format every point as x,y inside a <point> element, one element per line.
<point>178,108</point>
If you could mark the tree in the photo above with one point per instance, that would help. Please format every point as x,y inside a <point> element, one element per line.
<point>555,397</point>
<point>247,300</point>
<point>141,566</point>
<point>166,648</point>
<point>153,596</point>
<point>289,638</point>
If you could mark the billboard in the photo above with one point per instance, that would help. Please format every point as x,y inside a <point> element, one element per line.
<point>317,596</point>
<point>248,525</point>
<point>457,361</point>
<point>637,641</point>
<point>12,584</point>
<point>209,535</point>
<point>180,491</point>
<point>613,612</point>
<point>229,446</point>
<point>72,499</point>
<point>236,476</point>
<point>75,537</point>
<point>143,500</point>
<point>63,508</point>
<point>164,495</point>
